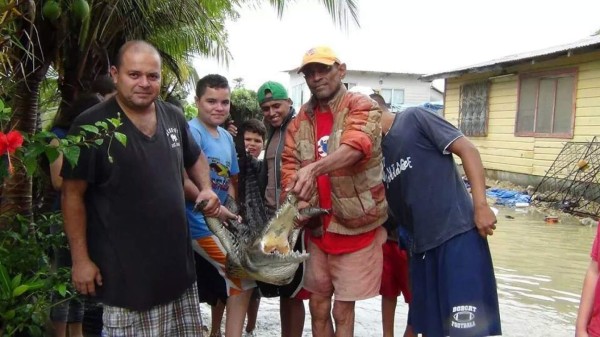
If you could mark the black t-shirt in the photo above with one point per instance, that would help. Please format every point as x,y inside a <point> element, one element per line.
<point>423,187</point>
<point>137,232</point>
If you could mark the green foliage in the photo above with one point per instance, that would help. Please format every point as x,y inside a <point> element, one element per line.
<point>49,100</point>
<point>5,112</point>
<point>179,86</point>
<point>190,111</point>
<point>27,281</point>
<point>70,147</point>
<point>244,105</point>
<point>39,144</point>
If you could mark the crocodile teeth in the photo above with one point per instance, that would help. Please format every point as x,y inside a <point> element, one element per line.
<point>262,249</point>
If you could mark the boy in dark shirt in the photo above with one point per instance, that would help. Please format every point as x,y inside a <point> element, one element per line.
<point>452,276</point>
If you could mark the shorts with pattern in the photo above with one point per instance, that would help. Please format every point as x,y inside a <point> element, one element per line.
<point>211,249</point>
<point>211,285</point>
<point>180,317</point>
<point>348,277</point>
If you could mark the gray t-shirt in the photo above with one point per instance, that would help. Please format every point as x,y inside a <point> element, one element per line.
<point>424,190</point>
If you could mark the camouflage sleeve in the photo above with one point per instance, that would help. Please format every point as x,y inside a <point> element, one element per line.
<point>362,127</point>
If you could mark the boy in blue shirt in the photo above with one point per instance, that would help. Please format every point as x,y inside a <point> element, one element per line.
<point>213,102</point>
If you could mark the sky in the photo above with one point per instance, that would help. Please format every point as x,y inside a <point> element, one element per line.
<point>413,36</point>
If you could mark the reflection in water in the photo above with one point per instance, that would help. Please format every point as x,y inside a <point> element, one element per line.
<point>539,270</point>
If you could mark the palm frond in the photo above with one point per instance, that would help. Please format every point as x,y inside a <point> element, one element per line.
<point>341,11</point>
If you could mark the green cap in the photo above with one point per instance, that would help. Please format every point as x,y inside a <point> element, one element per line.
<point>277,91</point>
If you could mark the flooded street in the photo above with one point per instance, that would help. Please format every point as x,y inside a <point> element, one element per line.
<point>539,269</point>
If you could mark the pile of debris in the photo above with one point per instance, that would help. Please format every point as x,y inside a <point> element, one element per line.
<point>572,184</point>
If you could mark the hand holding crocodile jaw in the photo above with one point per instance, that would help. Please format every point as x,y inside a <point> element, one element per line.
<point>258,247</point>
<point>276,241</point>
<point>300,220</point>
<point>307,212</point>
<point>262,249</point>
<point>225,215</point>
<point>211,202</point>
<point>304,183</point>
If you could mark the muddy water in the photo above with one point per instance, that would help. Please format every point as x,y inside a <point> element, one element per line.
<point>539,269</point>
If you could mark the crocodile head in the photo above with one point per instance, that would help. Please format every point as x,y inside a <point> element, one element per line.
<point>259,248</point>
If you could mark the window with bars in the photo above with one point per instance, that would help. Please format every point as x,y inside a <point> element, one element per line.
<point>473,112</point>
<point>546,104</point>
<point>297,95</point>
<point>394,98</point>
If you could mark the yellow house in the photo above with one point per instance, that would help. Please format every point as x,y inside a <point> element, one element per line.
<point>520,110</point>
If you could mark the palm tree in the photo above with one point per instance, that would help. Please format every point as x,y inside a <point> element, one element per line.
<point>79,48</point>
<point>25,64</point>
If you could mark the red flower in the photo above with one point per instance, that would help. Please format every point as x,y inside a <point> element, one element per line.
<point>3,143</point>
<point>14,140</point>
<point>9,143</point>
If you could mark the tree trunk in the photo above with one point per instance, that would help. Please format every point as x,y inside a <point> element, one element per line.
<point>38,40</point>
<point>16,194</point>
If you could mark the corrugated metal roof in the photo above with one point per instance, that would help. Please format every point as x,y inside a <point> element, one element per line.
<point>592,42</point>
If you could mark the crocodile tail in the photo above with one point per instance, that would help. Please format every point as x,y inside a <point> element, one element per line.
<point>252,208</point>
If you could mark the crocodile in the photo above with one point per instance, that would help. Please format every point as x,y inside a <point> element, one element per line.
<point>256,247</point>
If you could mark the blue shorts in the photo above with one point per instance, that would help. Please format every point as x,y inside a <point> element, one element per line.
<point>454,289</point>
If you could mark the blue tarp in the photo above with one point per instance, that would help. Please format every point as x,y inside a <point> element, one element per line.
<point>507,197</point>
<point>435,107</point>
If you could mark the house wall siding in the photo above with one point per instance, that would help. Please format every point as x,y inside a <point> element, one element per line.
<point>501,149</point>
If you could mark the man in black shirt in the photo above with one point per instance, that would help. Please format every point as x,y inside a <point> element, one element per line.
<point>124,206</point>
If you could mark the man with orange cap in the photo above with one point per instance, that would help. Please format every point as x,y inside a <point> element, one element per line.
<point>332,159</point>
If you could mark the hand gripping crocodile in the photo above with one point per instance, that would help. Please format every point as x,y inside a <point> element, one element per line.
<point>256,247</point>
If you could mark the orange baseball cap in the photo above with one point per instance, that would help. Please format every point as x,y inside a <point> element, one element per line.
<point>321,54</point>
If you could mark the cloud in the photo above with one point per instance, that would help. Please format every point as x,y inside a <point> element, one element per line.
<point>400,36</point>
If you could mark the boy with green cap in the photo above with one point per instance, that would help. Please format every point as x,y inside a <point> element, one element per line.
<point>278,112</point>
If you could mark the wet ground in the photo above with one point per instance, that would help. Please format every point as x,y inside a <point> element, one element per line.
<point>539,269</point>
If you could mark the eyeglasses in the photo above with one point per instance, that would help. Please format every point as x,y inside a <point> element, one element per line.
<point>317,68</point>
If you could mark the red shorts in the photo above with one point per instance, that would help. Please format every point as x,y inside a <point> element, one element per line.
<point>303,294</point>
<point>394,280</point>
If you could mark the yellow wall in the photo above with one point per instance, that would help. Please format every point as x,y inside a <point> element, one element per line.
<point>501,149</point>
